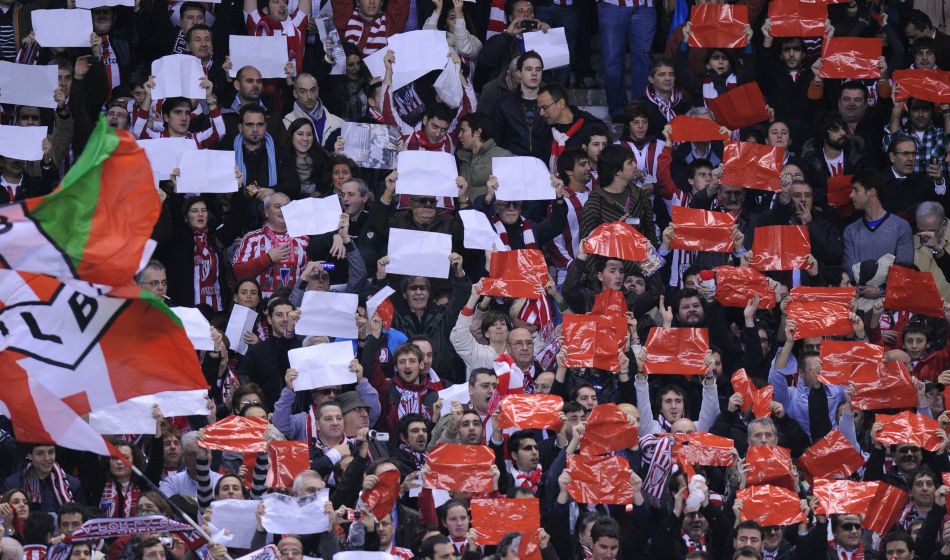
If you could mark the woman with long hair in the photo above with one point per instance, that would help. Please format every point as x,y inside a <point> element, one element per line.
<point>14,509</point>
<point>304,162</point>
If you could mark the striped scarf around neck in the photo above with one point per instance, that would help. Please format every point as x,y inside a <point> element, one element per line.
<point>32,485</point>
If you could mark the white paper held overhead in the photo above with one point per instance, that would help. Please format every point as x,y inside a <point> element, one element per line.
<point>268,54</point>
<point>479,233</point>
<point>206,171</point>
<point>551,45</point>
<point>426,173</point>
<point>22,142</point>
<point>237,516</point>
<point>164,154</point>
<point>295,516</point>
<point>134,416</point>
<point>417,54</point>
<point>312,216</point>
<point>374,301</point>
<point>28,84</point>
<point>328,314</point>
<point>419,253</point>
<point>62,28</point>
<point>522,178</point>
<point>178,75</point>
<point>322,365</point>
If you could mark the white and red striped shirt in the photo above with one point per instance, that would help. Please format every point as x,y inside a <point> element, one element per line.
<point>294,28</point>
<point>34,551</point>
<point>681,259</point>
<point>497,21</point>
<point>252,260</point>
<point>111,62</point>
<point>368,36</point>
<point>626,3</point>
<point>564,247</point>
<point>647,158</point>
<point>206,138</point>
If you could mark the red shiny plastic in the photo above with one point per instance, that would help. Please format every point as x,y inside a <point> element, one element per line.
<point>285,460</point>
<point>839,190</point>
<point>718,26</point>
<point>945,479</point>
<point>850,58</point>
<point>600,479</point>
<point>820,319</point>
<point>929,85</point>
<point>910,290</point>
<point>492,519</point>
<point>678,351</point>
<point>530,411</point>
<point>695,129</point>
<point>770,464</point>
<point>736,285</point>
<point>594,340</point>
<point>608,430</point>
<point>885,509</point>
<point>385,312</point>
<point>752,166</point>
<point>758,400</point>
<point>617,240</point>
<point>509,288</point>
<point>780,248</point>
<point>846,360</point>
<point>525,265</point>
<point>909,428</point>
<point>702,230</point>
<point>236,433</point>
<point>701,448</point>
<point>820,295</point>
<point>770,505</point>
<point>831,457</point>
<point>740,107</point>
<point>843,496</point>
<point>893,389</point>
<point>609,302</point>
<point>794,18</point>
<point>382,497</point>
<point>460,468</point>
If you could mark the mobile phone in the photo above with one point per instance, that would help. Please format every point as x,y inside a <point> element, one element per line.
<point>353,515</point>
<point>529,25</point>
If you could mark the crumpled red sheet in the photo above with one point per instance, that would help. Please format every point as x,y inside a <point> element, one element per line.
<point>794,18</point>
<point>285,460</point>
<point>851,58</point>
<point>770,505</point>
<point>770,464</point>
<point>520,264</point>
<point>702,230</point>
<point>780,248</point>
<point>736,285</point>
<point>460,468</point>
<point>909,428</point>
<point>893,389</point>
<point>820,319</point>
<point>820,295</point>
<point>886,507</point>
<point>509,288</point>
<point>839,191</point>
<point>740,106</point>
<point>831,457</point>
<point>718,26</point>
<point>594,340</point>
<point>602,479</point>
<point>701,448</point>
<point>381,498</point>
<point>843,496</point>
<point>676,350</point>
<point>929,85</point>
<point>752,166</point>
<point>531,411</point>
<point>695,129</point>
<point>236,433</point>
<point>758,400</point>
<point>910,290</point>
<point>846,360</point>
<point>609,302</point>
<point>608,430</point>
<point>617,240</point>
<point>492,519</point>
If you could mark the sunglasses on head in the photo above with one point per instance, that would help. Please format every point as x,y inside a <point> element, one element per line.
<point>425,202</point>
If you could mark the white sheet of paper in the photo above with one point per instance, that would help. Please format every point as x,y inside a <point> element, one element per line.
<point>322,365</point>
<point>206,171</point>
<point>312,216</point>
<point>456,393</point>
<point>297,516</point>
<point>417,54</point>
<point>479,234</point>
<point>426,173</point>
<point>241,320</point>
<point>22,142</point>
<point>328,314</point>
<point>269,552</point>
<point>62,28</point>
<point>147,251</point>
<point>164,154</point>
<point>178,75</point>
<point>449,85</point>
<point>196,326</point>
<point>552,46</point>
<point>134,416</point>
<point>28,84</point>
<point>268,54</point>
<point>374,301</point>
<point>419,253</point>
<point>90,4</point>
<point>522,178</point>
<point>237,516</point>
<point>359,555</point>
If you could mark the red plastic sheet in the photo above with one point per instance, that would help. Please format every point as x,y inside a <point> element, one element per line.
<point>831,457</point>
<point>753,166</point>
<point>695,129</point>
<point>770,506</point>
<point>385,312</point>
<point>758,400</point>
<point>678,351</point>
<point>718,26</point>
<point>909,428</point>
<point>820,295</point>
<point>702,230</point>
<point>460,468</point>
<point>850,58</point>
<point>893,389</point>
<point>736,285</point>
<point>910,290</point>
<point>492,519</point>
<point>617,240</point>
<point>885,509</point>
<point>820,319</point>
<point>236,433</point>
<point>780,248</point>
<point>610,303</point>
<point>794,18</point>
<point>929,85</point>
<point>839,190</point>
<point>740,107</point>
<point>945,479</point>
<point>701,448</point>
<point>843,496</point>
<point>528,411</point>
<point>601,479</point>
<point>521,264</point>
<point>382,497</point>
<point>509,288</point>
<point>845,360</point>
<point>285,460</point>
<point>770,464</point>
<point>608,430</point>
<point>594,340</point>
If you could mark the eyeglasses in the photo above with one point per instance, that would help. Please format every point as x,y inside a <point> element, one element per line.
<point>417,288</point>
<point>424,202</point>
<point>771,529</point>
<point>544,108</point>
<point>248,403</point>
<point>328,391</point>
<point>155,283</point>
<point>850,526</point>
<point>510,204</point>
<point>908,450</point>
<point>291,553</point>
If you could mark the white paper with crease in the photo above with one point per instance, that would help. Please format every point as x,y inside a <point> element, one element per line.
<point>241,320</point>
<point>178,75</point>
<point>479,234</point>
<point>206,171</point>
<point>164,154</point>
<point>134,416</point>
<point>196,326</point>
<point>552,46</point>
<point>147,251</point>
<point>237,516</point>
<point>374,301</point>
<point>28,84</point>
<point>22,142</point>
<point>312,216</point>
<point>90,4</point>
<point>426,173</point>
<point>417,54</point>
<point>419,253</point>
<point>322,365</point>
<point>522,178</point>
<point>62,28</point>
<point>328,314</point>
<point>449,85</point>
<point>268,54</point>
<point>296,516</point>
<point>456,393</point>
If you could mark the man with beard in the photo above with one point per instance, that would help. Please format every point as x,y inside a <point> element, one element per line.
<point>831,152</point>
<point>408,392</point>
<point>862,120</point>
<point>691,311</point>
<point>413,433</point>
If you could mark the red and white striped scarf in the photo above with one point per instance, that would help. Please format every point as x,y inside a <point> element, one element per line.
<point>694,546</point>
<point>366,40</point>
<point>709,87</point>
<point>207,289</point>
<point>529,480</point>
<point>658,451</point>
<point>559,142</point>
<point>110,61</point>
<point>31,485</point>
<point>410,397</point>
<point>497,22</point>
<point>111,494</point>
<point>527,233</point>
<point>511,380</point>
<point>667,108</point>
<point>34,551</point>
